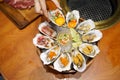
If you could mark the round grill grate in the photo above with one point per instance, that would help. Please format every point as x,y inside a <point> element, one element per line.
<point>96,10</point>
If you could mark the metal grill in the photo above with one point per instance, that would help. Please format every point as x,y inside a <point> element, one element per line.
<point>96,10</point>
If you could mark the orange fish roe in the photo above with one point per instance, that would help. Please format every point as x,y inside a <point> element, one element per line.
<point>64,61</point>
<point>51,55</point>
<point>72,23</point>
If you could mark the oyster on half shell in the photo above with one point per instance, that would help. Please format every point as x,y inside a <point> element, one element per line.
<point>46,29</point>
<point>89,50</point>
<point>92,36</point>
<point>42,41</point>
<point>79,62</point>
<point>72,18</point>
<point>57,17</point>
<point>85,26</point>
<point>63,63</point>
<point>49,56</point>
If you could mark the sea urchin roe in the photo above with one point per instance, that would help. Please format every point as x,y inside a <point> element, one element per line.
<point>75,60</point>
<point>51,55</point>
<point>78,60</point>
<point>64,61</point>
<point>88,49</point>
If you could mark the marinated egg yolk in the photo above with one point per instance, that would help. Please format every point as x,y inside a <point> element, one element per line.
<point>60,21</point>
<point>72,24</point>
<point>51,55</point>
<point>64,61</point>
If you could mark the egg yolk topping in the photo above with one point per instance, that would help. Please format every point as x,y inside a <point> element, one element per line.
<point>60,21</point>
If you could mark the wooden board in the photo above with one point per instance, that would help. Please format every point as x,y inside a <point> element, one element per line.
<point>22,17</point>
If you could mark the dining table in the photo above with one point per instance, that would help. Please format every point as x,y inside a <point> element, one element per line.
<point>19,59</point>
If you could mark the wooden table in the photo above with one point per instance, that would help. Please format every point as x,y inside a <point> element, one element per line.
<point>19,60</point>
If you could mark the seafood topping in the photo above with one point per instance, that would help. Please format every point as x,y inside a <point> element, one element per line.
<point>57,17</point>
<point>92,36</point>
<point>85,26</point>
<point>88,49</point>
<point>51,55</point>
<point>89,37</point>
<point>46,29</point>
<point>72,21</point>
<point>64,61</point>
<point>63,38</point>
<point>43,41</point>
<point>72,18</point>
<point>77,60</point>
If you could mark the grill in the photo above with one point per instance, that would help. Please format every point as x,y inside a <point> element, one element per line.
<point>96,10</point>
<point>103,12</point>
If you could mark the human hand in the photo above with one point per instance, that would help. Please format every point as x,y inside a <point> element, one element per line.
<point>40,6</point>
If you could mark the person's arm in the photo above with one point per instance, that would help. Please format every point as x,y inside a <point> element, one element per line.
<point>40,6</point>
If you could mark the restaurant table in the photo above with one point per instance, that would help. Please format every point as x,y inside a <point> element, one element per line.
<point>20,61</point>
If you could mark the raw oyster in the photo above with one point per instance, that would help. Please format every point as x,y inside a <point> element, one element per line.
<point>72,18</point>
<point>92,36</point>
<point>42,41</point>
<point>89,50</point>
<point>46,29</point>
<point>79,62</point>
<point>63,63</point>
<point>85,26</point>
<point>50,55</point>
<point>57,17</point>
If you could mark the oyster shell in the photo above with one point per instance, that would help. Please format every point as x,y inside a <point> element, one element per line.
<point>42,41</point>
<point>79,62</point>
<point>92,36</point>
<point>63,63</point>
<point>46,29</point>
<point>57,17</point>
<point>85,26</point>
<point>72,18</point>
<point>50,55</point>
<point>89,50</point>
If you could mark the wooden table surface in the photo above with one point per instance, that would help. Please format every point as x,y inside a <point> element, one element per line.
<point>19,60</point>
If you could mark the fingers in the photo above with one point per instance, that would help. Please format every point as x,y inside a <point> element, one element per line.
<point>38,8</point>
<point>44,8</point>
<point>57,3</point>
